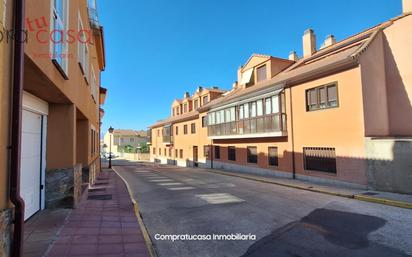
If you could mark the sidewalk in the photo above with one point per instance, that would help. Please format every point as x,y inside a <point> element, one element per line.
<point>392,199</point>
<point>104,224</point>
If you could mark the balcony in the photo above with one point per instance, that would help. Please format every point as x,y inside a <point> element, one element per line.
<point>272,125</point>
<point>93,15</point>
<point>167,137</point>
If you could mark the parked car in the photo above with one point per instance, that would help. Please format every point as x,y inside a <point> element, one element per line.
<point>111,154</point>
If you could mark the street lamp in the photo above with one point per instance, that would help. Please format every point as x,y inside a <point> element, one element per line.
<point>110,147</point>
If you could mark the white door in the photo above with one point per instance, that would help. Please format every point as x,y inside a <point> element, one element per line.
<point>31,162</point>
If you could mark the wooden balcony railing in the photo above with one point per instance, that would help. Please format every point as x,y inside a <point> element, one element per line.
<point>257,125</point>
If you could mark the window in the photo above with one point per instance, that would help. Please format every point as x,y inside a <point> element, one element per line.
<point>131,139</point>
<point>206,150</point>
<point>261,73</point>
<point>253,109</point>
<point>204,121</point>
<point>170,152</point>
<point>173,111</point>
<point>164,152</point>
<point>94,86</point>
<point>205,99</point>
<point>59,43</point>
<point>193,128</point>
<point>160,151</point>
<point>275,104</point>
<point>259,105</point>
<point>217,152</point>
<point>158,132</point>
<point>268,106</point>
<point>196,104</point>
<point>231,153</point>
<point>185,108</point>
<point>273,156</point>
<point>176,153</point>
<point>185,129</point>
<point>82,51</point>
<point>319,159</point>
<point>251,154</point>
<point>181,153</point>
<point>322,97</point>
<point>246,112</point>
<point>154,150</point>
<point>177,130</point>
<point>241,112</point>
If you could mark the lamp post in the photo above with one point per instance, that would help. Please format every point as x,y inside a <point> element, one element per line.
<point>110,147</point>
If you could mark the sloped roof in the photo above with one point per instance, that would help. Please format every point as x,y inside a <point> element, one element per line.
<point>130,132</point>
<point>179,118</point>
<point>341,54</point>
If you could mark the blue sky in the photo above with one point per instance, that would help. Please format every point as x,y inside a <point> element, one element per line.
<point>158,49</point>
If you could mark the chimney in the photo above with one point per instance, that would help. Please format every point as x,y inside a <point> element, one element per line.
<point>293,56</point>
<point>329,40</point>
<point>406,6</point>
<point>186,95</point>
<point>309,43</point>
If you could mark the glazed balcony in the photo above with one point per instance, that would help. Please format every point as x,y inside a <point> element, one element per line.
<point>167,136</point>
<point>272,125</point>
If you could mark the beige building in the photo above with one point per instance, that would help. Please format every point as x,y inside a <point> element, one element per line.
<point>340,114</point>
<point>122,138</point>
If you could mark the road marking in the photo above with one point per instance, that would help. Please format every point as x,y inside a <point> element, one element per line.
<point>220,198</point>
<point>161,180</point>
<point>142,171</point>
<point>181,188</point>
<point>170,184</point>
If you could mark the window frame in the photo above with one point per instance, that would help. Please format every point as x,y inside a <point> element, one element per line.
<point>193,128</point>
<point>185,129</point>
<point>264,66</point>
<point>276,157</point>
<point>318,97</point>
<point>252,158</point>
<point>231,157</point>
<point>62,62</point>
<point>217,152</point>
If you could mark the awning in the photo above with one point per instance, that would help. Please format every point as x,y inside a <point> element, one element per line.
<point>246,76</point>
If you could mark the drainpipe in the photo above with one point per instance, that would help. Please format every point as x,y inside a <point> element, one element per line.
<point>17,93</point>
<point>292,135</point>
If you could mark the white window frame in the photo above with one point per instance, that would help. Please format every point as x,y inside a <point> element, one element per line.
<point>83,51</point>
<point>63,64</point>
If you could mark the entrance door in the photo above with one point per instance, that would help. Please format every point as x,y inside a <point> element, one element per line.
<point>195,156</point>
<point>31,162</point>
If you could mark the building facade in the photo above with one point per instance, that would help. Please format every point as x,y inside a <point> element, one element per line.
<point>122,138</point>
<point>60,113</point>
<point>339,114</point>
<point>182,138</point>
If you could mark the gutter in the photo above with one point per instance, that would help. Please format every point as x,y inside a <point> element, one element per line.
<point>17,95</point>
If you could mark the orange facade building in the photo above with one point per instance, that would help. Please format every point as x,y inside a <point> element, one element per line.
<point>340,114</point>
<point>58,149</point>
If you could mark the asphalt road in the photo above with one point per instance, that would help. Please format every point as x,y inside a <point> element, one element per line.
<point>273,220</point>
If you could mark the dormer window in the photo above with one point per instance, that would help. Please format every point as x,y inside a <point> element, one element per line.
<point>196,104</point>
<point>261,73</point>
<point>205,99</point>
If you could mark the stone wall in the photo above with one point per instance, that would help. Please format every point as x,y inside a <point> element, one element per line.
<point>389,164</point>
<point>63,187</point>
<point>5,232</point>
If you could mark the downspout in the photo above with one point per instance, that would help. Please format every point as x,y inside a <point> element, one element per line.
<point>17,94</point>
<point>292,134</point>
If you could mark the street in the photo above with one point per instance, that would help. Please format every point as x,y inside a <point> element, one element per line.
<point>285,221</point>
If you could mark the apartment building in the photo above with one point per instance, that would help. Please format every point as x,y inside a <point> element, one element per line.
<point>182,138</point>
<point>60,112</point>
<point>121,138</point>
<point>339,114</point>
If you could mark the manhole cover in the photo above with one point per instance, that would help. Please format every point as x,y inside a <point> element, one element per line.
<point>370,193</point>
<point>97,189</point>
<point>99,197</point>
<point>101,183</point>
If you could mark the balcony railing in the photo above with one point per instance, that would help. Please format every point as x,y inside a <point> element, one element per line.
<point>257,125</point>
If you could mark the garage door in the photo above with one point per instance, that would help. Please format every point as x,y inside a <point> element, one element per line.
<point>31,156</point>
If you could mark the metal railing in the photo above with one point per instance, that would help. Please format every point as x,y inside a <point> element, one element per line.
<point>257,125</point>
